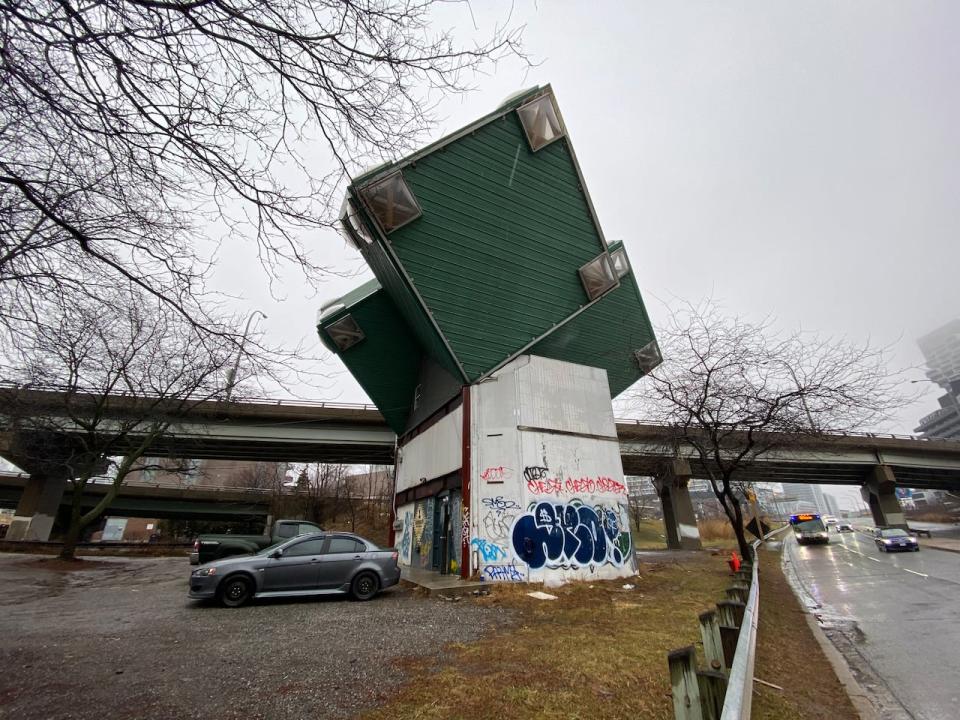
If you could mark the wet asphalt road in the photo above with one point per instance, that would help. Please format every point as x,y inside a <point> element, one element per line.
<point>895,617</point>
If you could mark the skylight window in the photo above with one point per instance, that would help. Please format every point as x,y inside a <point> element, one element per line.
<point>621,266</point>
<point>345,332</point>
<point>540,122</point>
<point>392,202</point>
<point>648,357</point>
<point>354,229</point>
<point>597,276</point>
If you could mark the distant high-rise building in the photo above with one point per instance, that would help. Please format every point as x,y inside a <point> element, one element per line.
<point>941,351</point>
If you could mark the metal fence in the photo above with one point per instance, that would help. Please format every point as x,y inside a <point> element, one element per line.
<point>723,690</point>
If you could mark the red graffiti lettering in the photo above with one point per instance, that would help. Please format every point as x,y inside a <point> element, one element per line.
<point>496,474</point>
<point>545,487</point>
<point>576,486</point>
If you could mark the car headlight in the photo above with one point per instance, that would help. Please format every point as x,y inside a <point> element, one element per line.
<point>204,572</point>
<point>886,542</point>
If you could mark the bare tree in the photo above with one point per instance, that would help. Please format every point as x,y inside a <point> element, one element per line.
<point>734,391</point>
<point>124,372</point>
<point>127,127</point>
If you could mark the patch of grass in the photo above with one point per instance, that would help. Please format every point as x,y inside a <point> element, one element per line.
<point>596,646</point>
<point>788,655</point>
<point>649,535</point>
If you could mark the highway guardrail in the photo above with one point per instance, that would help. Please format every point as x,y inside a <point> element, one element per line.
<point>724,689</point>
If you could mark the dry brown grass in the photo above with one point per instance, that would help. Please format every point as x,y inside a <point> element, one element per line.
<point>789,656</point>
<point>716,529</point>
<point>596,646</point>
<point>934,517</point>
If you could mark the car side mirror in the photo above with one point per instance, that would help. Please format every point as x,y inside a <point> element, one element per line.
<point>277,554</point>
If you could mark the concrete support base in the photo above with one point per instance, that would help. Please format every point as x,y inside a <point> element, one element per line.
<point>678,517</point>
<point>37,509</point>
<point>880,494</point>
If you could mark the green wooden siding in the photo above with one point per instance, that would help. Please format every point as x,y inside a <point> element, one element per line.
<point>386,363</point>
<point>409,307</point>
<point>503,233</point>
<point>604,335</point>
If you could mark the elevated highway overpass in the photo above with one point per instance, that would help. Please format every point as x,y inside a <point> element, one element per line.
<point>295,431</point>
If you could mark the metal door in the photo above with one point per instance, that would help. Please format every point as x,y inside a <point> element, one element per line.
<point>298,568</point>
<point>338,561</point>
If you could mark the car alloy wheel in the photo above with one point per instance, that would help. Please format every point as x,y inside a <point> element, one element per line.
<point>235,592</point>
<point>365,586</point>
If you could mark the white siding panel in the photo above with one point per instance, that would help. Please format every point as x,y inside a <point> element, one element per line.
<point>435,452</point>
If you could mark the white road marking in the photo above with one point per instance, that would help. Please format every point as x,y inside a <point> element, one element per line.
<point>915,572</point>
<point>871,558</point>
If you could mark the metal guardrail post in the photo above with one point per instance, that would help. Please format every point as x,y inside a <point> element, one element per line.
<point>739,698</point>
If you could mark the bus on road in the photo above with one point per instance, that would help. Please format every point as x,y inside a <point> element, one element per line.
<point>809,529</point>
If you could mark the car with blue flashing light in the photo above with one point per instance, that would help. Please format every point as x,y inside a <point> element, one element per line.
<point>895,540</point>
<point>809,529</point>
<point>311,564</point>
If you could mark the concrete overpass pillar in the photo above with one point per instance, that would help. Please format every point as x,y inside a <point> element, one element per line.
<point>880,493</point>
<point>38,507</point>
<point>678,517</point>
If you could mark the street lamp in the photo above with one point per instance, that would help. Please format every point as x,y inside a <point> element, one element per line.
<point>232,373</point>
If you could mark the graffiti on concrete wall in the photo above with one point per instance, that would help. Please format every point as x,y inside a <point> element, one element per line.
<point>406,537</point>
<point>504,573</point>
<point>465,527</point>
<point>535,472</point>
<point>489,551</point>
<point>423,530</point>
<point>571,535</point>
<point>499,516</point>
<point>499,504</point>
<point>496,474</point>
<point>575,486</point>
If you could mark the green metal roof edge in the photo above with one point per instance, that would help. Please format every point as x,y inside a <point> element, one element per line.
<point>392,166</point>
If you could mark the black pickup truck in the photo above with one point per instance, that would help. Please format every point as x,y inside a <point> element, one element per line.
<point>214,547</point>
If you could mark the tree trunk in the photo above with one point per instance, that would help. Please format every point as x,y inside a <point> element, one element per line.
<point>739,531</point>
<point>72,536</point>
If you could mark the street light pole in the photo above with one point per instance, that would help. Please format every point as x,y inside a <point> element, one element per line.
<point>232,373</point>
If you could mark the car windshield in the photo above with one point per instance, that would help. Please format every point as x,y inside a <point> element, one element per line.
<point>894,533</point>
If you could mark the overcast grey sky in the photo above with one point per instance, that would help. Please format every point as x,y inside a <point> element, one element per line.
<point>799,160</point>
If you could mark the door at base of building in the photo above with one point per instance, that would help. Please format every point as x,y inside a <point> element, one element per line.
<point>442,533</point>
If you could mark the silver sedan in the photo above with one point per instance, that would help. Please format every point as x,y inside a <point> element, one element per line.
<point>314,564</point>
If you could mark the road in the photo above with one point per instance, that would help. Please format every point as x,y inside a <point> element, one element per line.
<point>895,617</point>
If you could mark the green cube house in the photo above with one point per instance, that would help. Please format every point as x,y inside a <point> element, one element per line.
<point>485,246</point>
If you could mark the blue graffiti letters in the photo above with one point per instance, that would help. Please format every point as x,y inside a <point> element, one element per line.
<point>490,552</point>
<point>503,573</point>
<point>571,535</point>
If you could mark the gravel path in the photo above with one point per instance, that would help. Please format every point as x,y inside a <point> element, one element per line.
<point>123,641</point>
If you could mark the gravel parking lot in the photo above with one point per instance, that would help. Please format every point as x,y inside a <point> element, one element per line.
<point>122,640</point>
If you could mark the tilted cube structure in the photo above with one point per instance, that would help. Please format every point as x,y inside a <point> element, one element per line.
<point>491,268</point>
